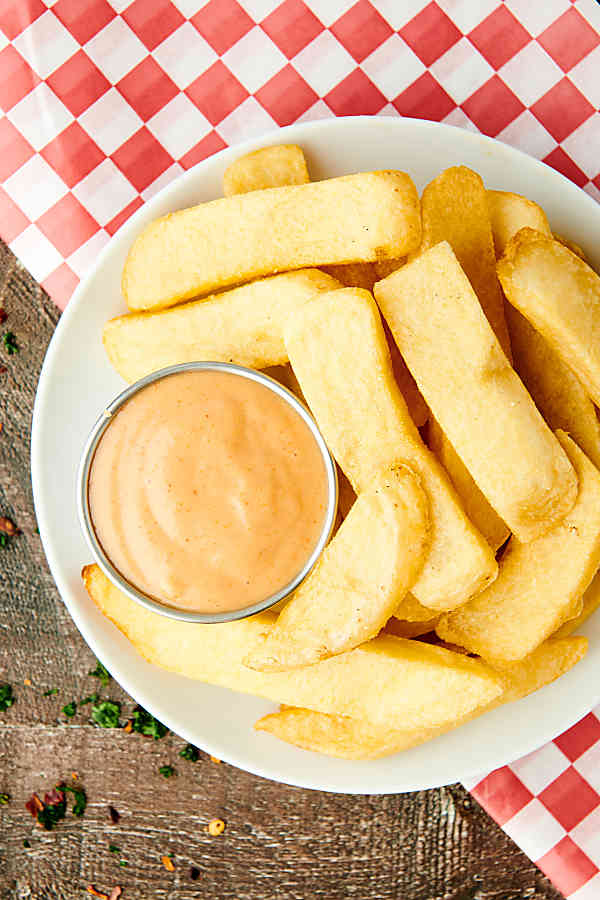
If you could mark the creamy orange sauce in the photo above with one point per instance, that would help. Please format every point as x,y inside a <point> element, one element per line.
<point>208,491</point>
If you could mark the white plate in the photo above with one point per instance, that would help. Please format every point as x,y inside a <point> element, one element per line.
<point>77,381</point>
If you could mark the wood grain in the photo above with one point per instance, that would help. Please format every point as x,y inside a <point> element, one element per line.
<point>280,842</point>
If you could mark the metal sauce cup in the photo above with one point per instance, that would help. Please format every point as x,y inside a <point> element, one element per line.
<point>113,573</point>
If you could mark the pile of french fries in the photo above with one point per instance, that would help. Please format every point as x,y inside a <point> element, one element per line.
<point>449,350</point>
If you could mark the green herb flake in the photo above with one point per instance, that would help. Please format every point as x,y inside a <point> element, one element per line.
<point>123,862</point>
<point>3,540</point>
<point>190,752</point>
<point>93,698</point>
<point>101,672</point>
<point>53,812</point>
<point>26,844</point>
<point>106,713</point>
<point>50,692</point>
<point>69,709</point>
<point>4,799</point>
<point>113,848</point>
<point>166,771</point>
<point>79,799</point>
<point>6,696</point>
<point>144,723</point>
<point>10,343</point>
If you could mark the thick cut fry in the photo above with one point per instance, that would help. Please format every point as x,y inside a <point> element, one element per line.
<point>479,511</point>
<point>509,213</point>
<point>266,168</point>
<point>418,409</point>
<point>554,387</point>
<point>229,241</point>
<point>570,245</point>
<point>540,584</point>
<point>373,560</point>
<point>339,353</point>
<point>387,680</point>
<point>349,738</point>
<point>243,326</point>
<point>474,393</point>
<point>411,610</point>
<point>560,296</point>
<point>590,603</point>
<point>455,209</point>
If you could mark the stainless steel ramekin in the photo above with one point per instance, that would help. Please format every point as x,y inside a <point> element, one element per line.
<point>84,508</point>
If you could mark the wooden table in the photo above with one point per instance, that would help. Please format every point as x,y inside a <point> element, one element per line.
<point>279,841</point>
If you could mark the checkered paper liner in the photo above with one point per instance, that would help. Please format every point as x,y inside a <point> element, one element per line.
<point>103,103</point>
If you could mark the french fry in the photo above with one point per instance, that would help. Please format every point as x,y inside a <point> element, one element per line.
<point>475,394</point>
<point>540,584</point>
<point>454,208</point>
<point>479,511</point>
<point>509,213</point>
<point>418,409</point>
<point>590,603</point>
<point>570,245</point>
<point>371,563</point>
<point>554,387</point>
<point>349,738</point>
<point>244,326</point>
<point>388,680</point>
<point>411,610</point>
<point>266,168</point>
<point>337,348</point>
<point>236,239</point>
<point>560,296</point>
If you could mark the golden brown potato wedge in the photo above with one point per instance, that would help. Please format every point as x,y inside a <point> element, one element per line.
<point>590,603</point>
<point>474,393</point>
<point>387,680</point>
<point>509,213</point>
<point>371,563</point>
<point>454,208</point>
<point>570,245</point>
<point>349,738</point>
<point>243,326</point>
<point>339,353</point>
<point>230,241</point>
<point>540,584</point>
<point>266,168</point>
<point>560,296</point>
<point>411,610</point>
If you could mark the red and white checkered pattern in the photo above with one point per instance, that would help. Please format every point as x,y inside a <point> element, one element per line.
<point>102,103</point>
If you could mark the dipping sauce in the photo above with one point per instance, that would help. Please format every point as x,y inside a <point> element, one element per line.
<point>208,491</point>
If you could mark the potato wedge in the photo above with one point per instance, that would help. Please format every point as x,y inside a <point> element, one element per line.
<point>388,680</point>
<point>371,563</point>
<point>411,610</point>
<point>570,245</point>
<point>349,738</point>
<point>233,240</point>
<point>554,387</point>
<point>454,208</point>
<point>479,511</point>
<point>266,168</point>
<point>337,348</point>
<point>560,296</point>
<point>509,213</point>
<point>243,326</point>
<point>474,393</point>
<point>590,603</point>
<point>540,584</point>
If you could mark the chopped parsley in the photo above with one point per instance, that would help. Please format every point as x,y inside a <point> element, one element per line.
<point>53,810</point>
<point>144,723</point>
<point>26,844</point>
<point>10,343</point>
<point>106,713</point>
<point>6,696</point>
<point>166,771</point>
<point>79,799</point>
<point>123,862</point>
<point>93,698</point>
<point>101,672</point>
<point>69,709</point>
<point>3,540</point>
<point>190,752</point>
<point>4,798</point>
<point>50,692</point>
<point>113,848</point>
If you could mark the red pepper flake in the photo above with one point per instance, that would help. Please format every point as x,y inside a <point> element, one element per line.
<point>7,526</point>
<point>128,727</point>
<point>34,805</point>
<point>114,815</point>
<point>74,776</point>
<point>96,893</point>
<point>167,863</point>
<point>3,316</point>
<point>26,681</point>
<point>1,427</point>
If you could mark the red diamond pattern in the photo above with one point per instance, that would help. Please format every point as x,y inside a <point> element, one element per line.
<point>562,109</point>
<point>14,149</point>
<point>113,226</point>
<point>563,163</point>
<point>286,96</point>
<point>61,283</point>
<point>14,221</point>
<point>567,866</point>
<point>569,39</point>
<point>78,83</point>
<point>222,23</point>
<point>425,99</point>
<point>212,143</point>
<point>292,26</point>
<point>216,93</point>
<point>430,34</point>
<point>355,95</point>
<point>493,106</point>
<point>67,225</point>
<point>499,37</point>
<point>147,88</point>
<point>17,79</point>
<point>73,154</point>
<point>361,30</point>
<point>503,794</point>
<point>83,18</point>
<point>570,798</point>
<point>576,740</point>
<point>153,20</point>
<point>142,159</point>
<point>16,15</point>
